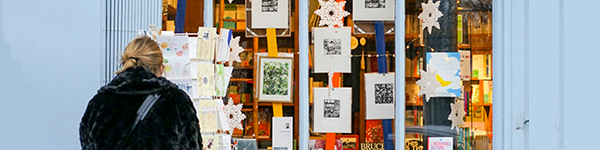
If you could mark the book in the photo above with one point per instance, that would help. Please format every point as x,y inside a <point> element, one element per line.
<point>374,131</point>
<point>320,144</point>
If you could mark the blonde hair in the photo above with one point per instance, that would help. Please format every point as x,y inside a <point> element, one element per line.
<point>142,51</point>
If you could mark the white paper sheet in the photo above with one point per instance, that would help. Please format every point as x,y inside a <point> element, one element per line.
<point>369,10</point>
<point>283,131</point>
<point>332,50</point>
<point>223,125</point>
<point>193,44</point>
<point>207,115</point>
<point>177,68</point>
<point>332,115</point>
<point>380,95</point>
<point>223,45</point>
<point>270,14</point>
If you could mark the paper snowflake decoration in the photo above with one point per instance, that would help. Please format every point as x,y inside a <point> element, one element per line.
<point>332,13</point>
<point>428,83</point>
<point>430,15</point>
<point>457,113</point>
<point>234,114</point>
<point>234,54</point>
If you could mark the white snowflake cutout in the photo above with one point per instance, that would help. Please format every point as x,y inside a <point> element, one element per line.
<point>428,83</point>
<point>236,49</point>
<point>230,1</point>
<point>332,13</point>
<point>457,113</point>
<point>430,15</point>
<point>234,114</point>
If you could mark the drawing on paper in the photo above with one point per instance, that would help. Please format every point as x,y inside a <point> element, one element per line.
<point>275,80</point>
<point>176,68</point>
<point>208,114</point>
<point>374,4</point>
<point>269,5</point>
<point>384,93</point>
<point>332,46</point>
<point>173,46</point>
<point>331,108</point>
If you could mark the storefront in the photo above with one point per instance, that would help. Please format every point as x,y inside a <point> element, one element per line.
<point>506,74</point>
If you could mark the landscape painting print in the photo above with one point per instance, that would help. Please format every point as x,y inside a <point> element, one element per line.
<point>173,46</point>
<point>380,98</point>
<point>447,66</point>
<point>275,79</point>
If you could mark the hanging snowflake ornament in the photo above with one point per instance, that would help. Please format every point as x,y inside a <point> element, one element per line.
<point>234,114</point>
<point>236,49</point>
<point>457,113</point>
<point>430,15</point>
<point>428,83</point>
<point>332,13</point>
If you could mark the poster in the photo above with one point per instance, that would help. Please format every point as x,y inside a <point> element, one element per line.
<point>380,92</point>
<point>447,65</point>
<point>275,79</point>
<point>332,50</point>
<point>332,113</point>
<point>269,14</point>
<point>206,81</point>
<point>283,131</point>
<point>440,143</point>
<point>206,42</point>
<point>373,10</point>
<point>207,115</point>
<point>173,46</point>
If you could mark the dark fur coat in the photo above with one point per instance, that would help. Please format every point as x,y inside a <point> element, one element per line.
<point>171,123</point>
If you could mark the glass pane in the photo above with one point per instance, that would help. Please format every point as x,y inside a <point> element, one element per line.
<point>452,42</point>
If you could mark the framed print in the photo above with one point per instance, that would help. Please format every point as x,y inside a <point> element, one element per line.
<point>207,38</point>
<point>173,46</point>
<point>349,142</point>
<point>373,10</point>
<point>332,50</point>
<point>380,89</point>
<point>447,66</point>
<point>270,14</point>
<point>332,110</point>
<point>275,79</point>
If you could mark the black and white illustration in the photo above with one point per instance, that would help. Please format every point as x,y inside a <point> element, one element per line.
<point>331,108</point>
<point>269,5</point>
<point>332,46</point>
<point>384,93</point>
<point>370,4</point>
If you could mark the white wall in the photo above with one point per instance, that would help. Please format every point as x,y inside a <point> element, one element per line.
<point>548,57</point>
<point>50,57</point>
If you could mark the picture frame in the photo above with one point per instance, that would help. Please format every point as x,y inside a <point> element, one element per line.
<point>332,49</point>
<point>349,142</point>
<point>270,14</point>
<point>380,98</point>
<point>373,10</point>
<point>332,110</point>
<point>275,79</point>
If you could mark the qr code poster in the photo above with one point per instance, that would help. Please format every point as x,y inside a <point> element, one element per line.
<point>380,91</point>
<point>332,49</point>
<point>332,110</point>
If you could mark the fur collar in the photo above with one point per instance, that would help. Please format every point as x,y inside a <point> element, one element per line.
<point>135,81</point>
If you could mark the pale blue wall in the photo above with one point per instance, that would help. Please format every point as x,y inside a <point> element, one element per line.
<point>50,58</point>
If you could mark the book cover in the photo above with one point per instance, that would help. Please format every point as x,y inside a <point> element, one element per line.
<point>374,131</point>
<point>320,144</point>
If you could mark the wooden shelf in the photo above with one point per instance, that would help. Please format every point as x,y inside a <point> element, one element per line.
<point>243,67</point>
<point>412,104</point>
<point>235,20</point>
<point>241,79</point>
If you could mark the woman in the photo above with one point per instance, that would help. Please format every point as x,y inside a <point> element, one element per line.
<point>112,118</point>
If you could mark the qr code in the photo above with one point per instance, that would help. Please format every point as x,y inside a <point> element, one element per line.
<point>332,46</point>
<point>384,93</point>
<point>331,108</point>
